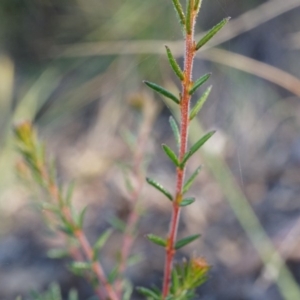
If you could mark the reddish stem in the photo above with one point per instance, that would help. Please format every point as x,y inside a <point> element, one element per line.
<point>184,125</point>
<point>88,251</point>
<point>129,238</point>
<point>84,243</point>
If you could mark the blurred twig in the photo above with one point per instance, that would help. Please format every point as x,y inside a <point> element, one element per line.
<point>149,111</point>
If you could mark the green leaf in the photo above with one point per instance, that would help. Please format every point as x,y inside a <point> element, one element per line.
<point>196,147</point>
<point>190,181</point>
<point>57,253</point>
<point>67,229</point>
<point>199,82</point>
<point>187,201</point>
<point>176,68</point>
<point>159,187</point>
<point>148,293</point>
<point>175,130</point>
<point>81,217</point>
<point>117,223</point>
<point>101,241</point>
<point>175,281</point>
<point>35,295</point>
<point>185,241</point>
<point>129,139</point>
<point>189,11</point>
<point>162,91</point>
<point>54,292</point>
<point>52,171</point>
<point>157,240</point>
<point>179,11</point>
<point>127,290</point>
<point>50,207</point>
<point>73,295</point>
<point>170,153</point>
<point>197,5</point>
<point>78,267</point>
<point>125,171</point>
<point>212,33</point>
<point>113,274</point>
<point>134,259</point>
<point>200,103</point>
<point>69,193</point>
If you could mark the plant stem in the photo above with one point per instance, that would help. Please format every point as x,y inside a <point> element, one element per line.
<point>96,266</point>
<point>82,239</point>
<point>184,125</point>
<point>149,114</point>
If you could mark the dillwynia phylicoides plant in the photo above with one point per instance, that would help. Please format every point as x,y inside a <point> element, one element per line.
<point>62,218</point>
<point>180,282</point>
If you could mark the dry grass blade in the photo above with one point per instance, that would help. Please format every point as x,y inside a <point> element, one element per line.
<point>253,18</point>
<point>255,67</point>
<point>245,22</point>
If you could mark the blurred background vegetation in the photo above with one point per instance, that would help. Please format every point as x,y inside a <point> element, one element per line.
<point>75,68</point>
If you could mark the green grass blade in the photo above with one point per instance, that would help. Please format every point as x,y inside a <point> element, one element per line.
<point>162,91</point>
<point>212,33</point>
<point>200,103</point>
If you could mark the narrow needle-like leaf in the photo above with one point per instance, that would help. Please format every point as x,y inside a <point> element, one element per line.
<point>199,82</point>
<point>179,11</point>
<point>187,201</point>
<point>160,188</point>
<point>196,147</point>
<point>183,242</point>
<point>148,293</point>
<point>81,217</point>
<point>102,239</point>
<point>176,68</point>
<point>212,32</point>
<point>170,153</point>
<point>190,181</point>
<point>197,5</point>
<point>189,10</point>
<point>162,91</point>
<point>69,193</point>
<point>157,240</point>
<point>175,130</point>
<point>200,103</point>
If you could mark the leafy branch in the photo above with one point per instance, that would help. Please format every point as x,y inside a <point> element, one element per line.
<point>188,88</point>
<point>59,206</point>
